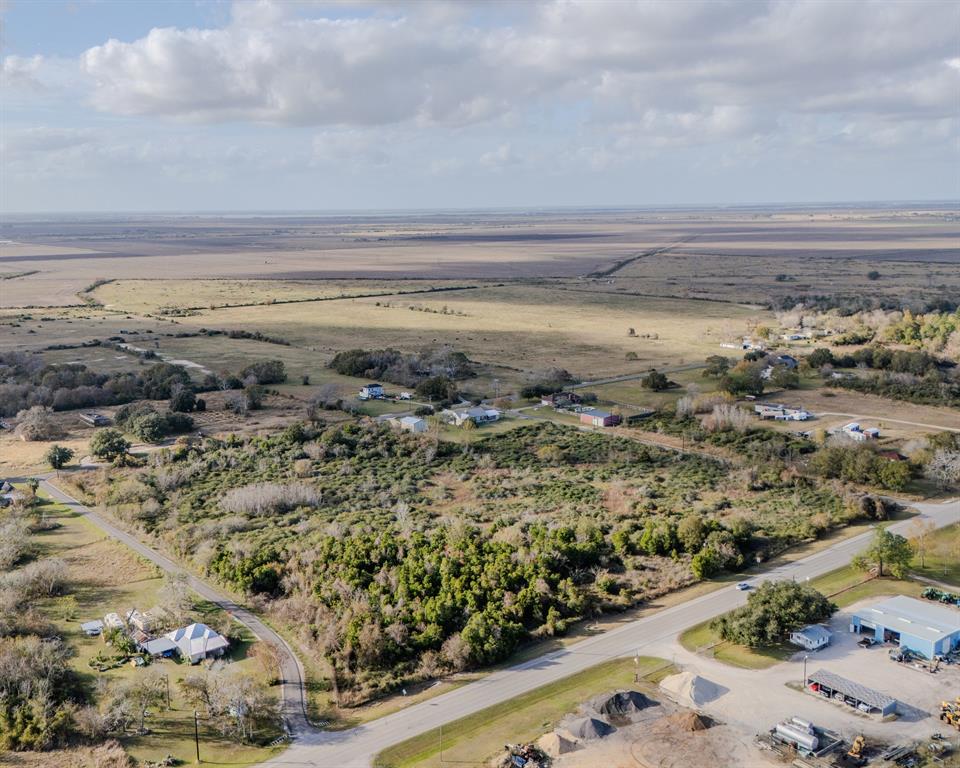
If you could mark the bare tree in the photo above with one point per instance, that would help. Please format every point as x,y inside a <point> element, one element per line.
<point>38,423</point>
<point>944,468</point>
<point>920,531</point>
<point>176,598</point>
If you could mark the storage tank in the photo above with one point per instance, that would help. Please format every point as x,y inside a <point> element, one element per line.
<point>804,724</point>
<point>793,734</point>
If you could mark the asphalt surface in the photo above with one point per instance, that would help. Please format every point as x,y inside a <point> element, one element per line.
<point>356,748</point>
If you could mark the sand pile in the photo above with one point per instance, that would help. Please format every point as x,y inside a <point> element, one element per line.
<point>622,704</point>
<point>554,745</point>
<point>585,728</point>
<point>688,722</point>
<point>688,688</point>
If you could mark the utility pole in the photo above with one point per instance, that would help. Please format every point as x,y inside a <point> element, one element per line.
<point>805,671</point>
<point>196,732</point>
<point>167,678</point>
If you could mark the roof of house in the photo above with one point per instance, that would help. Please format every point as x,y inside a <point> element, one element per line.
<point>814,632</point>
<point>159,645</point>
<point>411,420</point>
<point>851,689</point>
<point>370,386</point>
<point>907,615</point>
<point>197,639</point>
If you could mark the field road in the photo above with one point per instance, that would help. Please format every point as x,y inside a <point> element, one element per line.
<point>356,748</point>
<point>291,672</point>
<point>887,418</point>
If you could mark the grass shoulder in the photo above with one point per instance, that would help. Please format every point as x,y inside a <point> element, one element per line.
<point>523,718</point>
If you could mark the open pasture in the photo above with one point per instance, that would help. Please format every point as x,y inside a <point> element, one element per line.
<point>528,327</point>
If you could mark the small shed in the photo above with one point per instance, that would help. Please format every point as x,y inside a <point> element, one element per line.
<point>598,418</point>
<point>413,424</point>
<point>92,628</point>
<point>812,637</point>
<point>852,694</point>
<point>94,419</point>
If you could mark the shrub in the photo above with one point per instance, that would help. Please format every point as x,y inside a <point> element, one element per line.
<point>38,423</point>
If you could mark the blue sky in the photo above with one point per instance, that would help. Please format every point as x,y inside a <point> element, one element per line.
<point>182,105</point>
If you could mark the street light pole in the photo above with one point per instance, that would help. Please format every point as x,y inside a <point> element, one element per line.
<point>805,671</point>
<point>196,732</point>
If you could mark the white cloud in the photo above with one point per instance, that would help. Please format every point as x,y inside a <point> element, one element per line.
<point>704,63</point>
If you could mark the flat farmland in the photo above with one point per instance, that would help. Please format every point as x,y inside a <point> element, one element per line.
<point>528,327</point>
<point>151,296</point>
<point>732,254</point>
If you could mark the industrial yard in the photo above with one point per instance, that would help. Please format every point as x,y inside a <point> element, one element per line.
<point>895,713</point>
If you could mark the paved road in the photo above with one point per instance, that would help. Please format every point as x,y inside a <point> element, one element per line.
<point>357,747</point>
<point>291,671</point>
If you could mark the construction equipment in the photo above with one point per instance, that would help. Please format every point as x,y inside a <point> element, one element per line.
<point>951,717</point>
<point>856,749</point>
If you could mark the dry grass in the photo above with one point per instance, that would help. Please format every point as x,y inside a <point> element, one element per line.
<point>523,326</point>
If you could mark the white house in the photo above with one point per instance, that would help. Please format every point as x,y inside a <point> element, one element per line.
<point>477,414</point>
<point>412,424</point>
<point>371,392</point>
<point>811,637</point>
<point>197,642</point>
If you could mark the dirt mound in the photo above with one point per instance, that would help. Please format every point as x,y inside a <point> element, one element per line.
<point>554,745</point>
<point>687,687</point>
<point>622,704</point>
<point>585,728</point>
<point>687,722</point>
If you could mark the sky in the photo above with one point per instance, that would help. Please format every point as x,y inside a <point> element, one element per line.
<point>195,105</point>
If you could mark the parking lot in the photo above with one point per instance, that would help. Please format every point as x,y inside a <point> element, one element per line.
<point>781,696</point>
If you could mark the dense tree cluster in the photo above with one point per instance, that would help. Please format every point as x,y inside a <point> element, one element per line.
<point>404,368</point>
<point>773,610</point>
<point>879,358</point>
<point>859,463</point>
<point>143,421</point>
<point>26,381</point>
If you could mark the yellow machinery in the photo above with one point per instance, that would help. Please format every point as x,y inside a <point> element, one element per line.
<point>951,717</point>
<point>856,749</point>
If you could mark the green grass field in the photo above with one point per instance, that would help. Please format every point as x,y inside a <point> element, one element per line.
<point>473,738</point>
<point>941,560</point>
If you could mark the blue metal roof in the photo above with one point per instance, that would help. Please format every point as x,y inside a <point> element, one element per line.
<point>919,618</point>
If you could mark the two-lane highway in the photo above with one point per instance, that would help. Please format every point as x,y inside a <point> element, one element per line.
<point>358,746</point>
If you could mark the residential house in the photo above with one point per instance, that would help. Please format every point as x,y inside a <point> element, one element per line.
<point>371,392</point>
<point>477,414</point>
<point>812,637</point>
<point>561,399</point>
<point>597,418</point>
<point>197,642</point>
